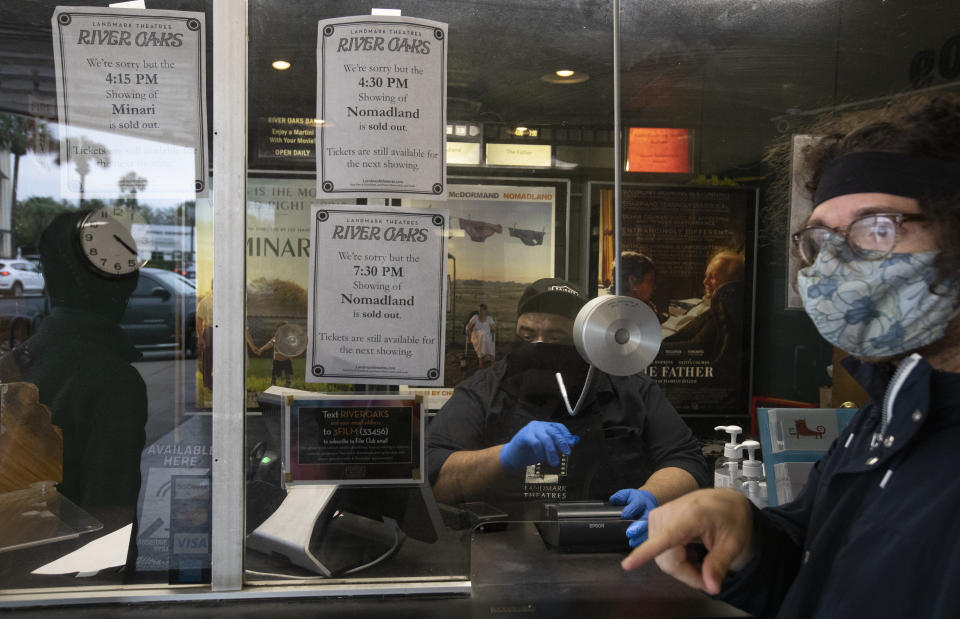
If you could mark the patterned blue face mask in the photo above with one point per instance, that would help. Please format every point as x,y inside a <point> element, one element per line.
<point>875,308</point>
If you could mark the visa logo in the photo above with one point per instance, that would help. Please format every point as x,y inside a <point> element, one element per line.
<point>191,543</point>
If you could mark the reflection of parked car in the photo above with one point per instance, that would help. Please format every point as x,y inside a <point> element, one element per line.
<point>187,270</point>
<point>161,312</point>
<point>19,276</point>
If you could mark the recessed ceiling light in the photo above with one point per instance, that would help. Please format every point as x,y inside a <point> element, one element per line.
<point>565,76</point>
<point>281,65</point>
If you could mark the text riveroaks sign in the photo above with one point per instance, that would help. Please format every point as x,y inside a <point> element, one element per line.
<point>377,295</point>
<point>381,107</point>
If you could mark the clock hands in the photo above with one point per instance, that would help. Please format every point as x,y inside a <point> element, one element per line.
<point>130,249</point>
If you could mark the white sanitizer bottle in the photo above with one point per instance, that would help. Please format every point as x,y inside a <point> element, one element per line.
<point>726,473</point>
<point>752,482</point>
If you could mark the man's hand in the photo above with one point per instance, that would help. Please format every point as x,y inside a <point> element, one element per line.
<point>638,504</point>
<point>538,441</point>
<point>721,519</point>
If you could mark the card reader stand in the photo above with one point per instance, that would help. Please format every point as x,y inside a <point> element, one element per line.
<point>314,529</point>
<point>288,530</point>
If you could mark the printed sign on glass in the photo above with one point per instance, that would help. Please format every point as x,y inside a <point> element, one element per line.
<point>131,99</point>
<point>377,295</point>
<point>381,107</point>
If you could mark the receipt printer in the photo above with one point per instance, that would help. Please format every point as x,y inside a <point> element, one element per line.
<point>584,526</point>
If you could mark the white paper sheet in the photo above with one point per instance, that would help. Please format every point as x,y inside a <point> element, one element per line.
<point>102,553</point>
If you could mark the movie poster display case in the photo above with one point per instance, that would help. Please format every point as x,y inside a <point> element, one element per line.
<point>697,246</point>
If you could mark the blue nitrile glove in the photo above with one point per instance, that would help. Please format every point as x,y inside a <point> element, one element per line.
<point>637,532</point>
<point>538,441</point>
<point>638,504</point>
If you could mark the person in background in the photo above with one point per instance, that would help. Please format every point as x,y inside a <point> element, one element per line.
<point>724,267</point>
<point>482,332</point>
<point>875,531</point>
<point>639,279</point>
<point>715,332</point>
<point>282,364</point>
<point>81,362</point>
<point>507,438</point>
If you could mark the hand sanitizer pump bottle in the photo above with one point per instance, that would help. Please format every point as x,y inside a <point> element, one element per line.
<point>752,483</point>
<point>726,474</point>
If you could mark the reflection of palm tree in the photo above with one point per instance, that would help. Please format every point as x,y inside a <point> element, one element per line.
<point>80,150</point>
<point>18,134</point>
<point>132,183</point>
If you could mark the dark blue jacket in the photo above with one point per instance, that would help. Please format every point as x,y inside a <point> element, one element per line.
<point>876,530</point>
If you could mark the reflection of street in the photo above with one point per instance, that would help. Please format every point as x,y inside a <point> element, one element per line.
<point>171,391</point>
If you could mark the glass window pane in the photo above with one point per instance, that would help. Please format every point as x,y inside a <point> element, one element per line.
<point>110,348</point>
<point>512,219</point>
<point>100,351</point>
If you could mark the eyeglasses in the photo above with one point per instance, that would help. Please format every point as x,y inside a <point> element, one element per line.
<point>871,237</point>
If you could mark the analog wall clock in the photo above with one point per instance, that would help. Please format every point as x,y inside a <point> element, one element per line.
<point>106,241</point>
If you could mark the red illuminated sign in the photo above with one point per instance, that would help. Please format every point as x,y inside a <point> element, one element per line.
<point>652,149</point>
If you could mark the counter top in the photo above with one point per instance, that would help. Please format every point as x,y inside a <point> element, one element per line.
<point>513,569</point>
<point>512,573</point>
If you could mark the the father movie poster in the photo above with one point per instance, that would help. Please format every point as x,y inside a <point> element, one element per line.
<point>688,252</point>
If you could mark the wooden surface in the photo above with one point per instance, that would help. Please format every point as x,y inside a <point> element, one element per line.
<point>31,447</point>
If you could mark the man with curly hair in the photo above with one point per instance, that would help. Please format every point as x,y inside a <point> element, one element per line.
<point>875,531</point>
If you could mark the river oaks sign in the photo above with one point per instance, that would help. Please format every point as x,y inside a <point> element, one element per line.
<point>377,295</point>
<point>131,100</point>
<point>381,107</point>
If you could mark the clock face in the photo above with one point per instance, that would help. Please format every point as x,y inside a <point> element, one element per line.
<point>107,243</point>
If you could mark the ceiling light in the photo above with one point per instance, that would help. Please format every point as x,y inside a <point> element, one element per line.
<point>520,131</point>
<point>565,76</point>
<point>281,65</point>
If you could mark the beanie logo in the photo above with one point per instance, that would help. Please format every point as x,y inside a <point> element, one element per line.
<point>566,289</point>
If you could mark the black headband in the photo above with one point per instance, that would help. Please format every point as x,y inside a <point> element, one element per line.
<point>894,173</point>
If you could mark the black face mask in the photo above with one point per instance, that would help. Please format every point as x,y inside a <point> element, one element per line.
<point>532,368</point>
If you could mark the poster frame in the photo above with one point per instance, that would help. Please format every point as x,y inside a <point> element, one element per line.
<point>435,397</point>
<point>593,192</point>
<point>564,229</point>
<point>561,213</point>
<point>801,207</point>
